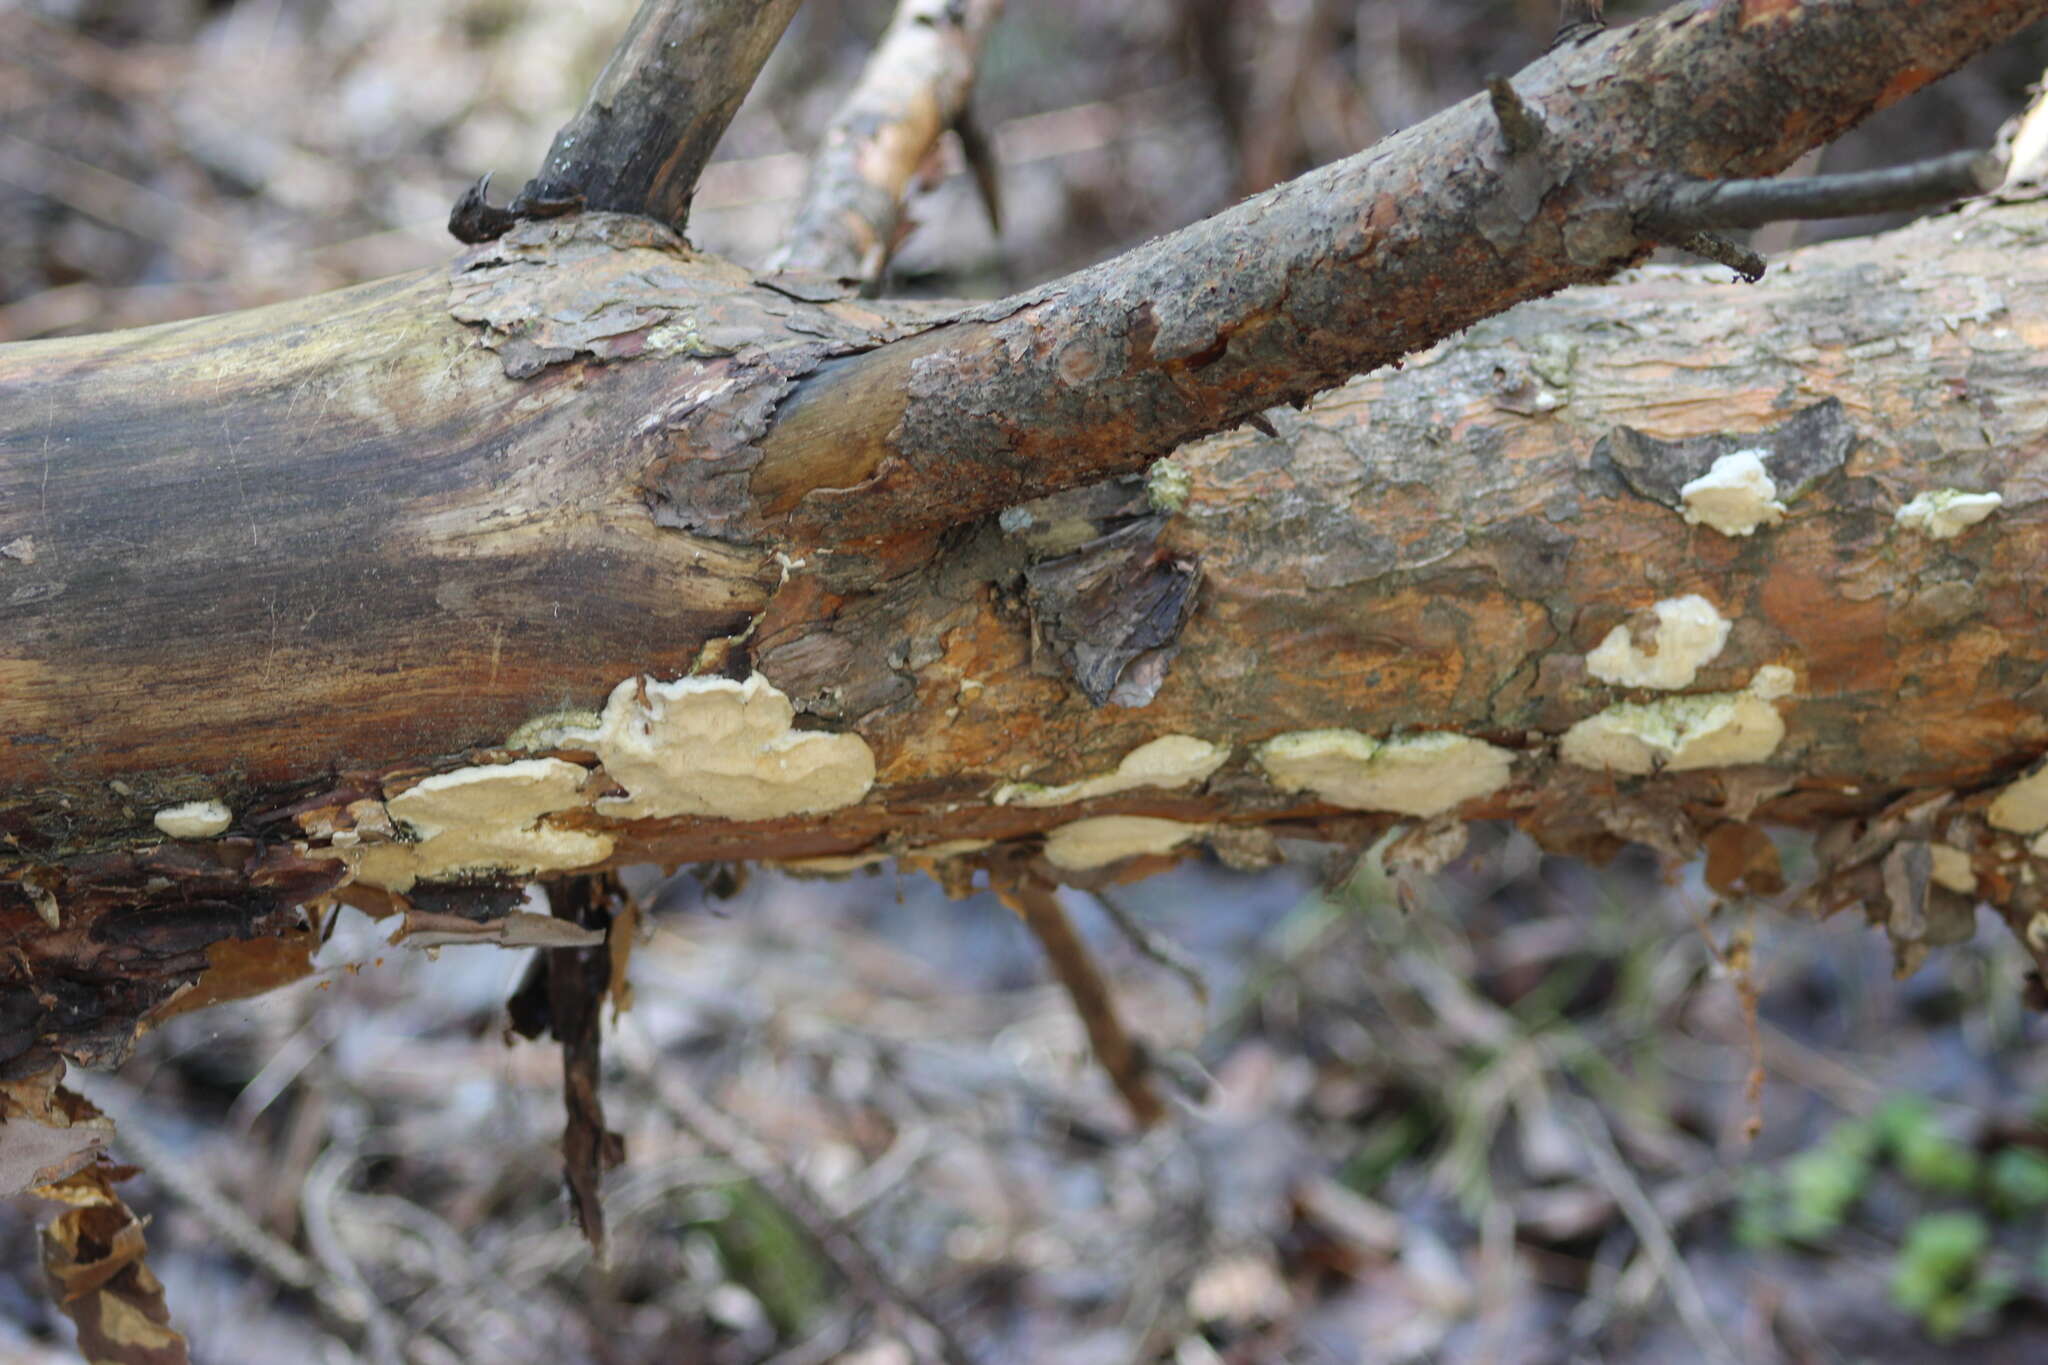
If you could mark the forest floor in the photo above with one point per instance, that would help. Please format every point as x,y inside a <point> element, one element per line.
<point>1526,1111</point>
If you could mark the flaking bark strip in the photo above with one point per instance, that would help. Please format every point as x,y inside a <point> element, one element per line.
<point>1110,604</point>
<point>1797,453</point>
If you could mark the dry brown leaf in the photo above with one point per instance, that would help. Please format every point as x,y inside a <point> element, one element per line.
<point>93,1258</point>
<point>1742,858</point>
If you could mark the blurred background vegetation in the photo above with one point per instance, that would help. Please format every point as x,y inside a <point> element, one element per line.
<point>1524,1111</point>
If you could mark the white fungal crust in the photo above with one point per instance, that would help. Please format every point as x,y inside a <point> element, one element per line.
<point>1106,839</point>
<point>1706,730</point>
<point>711,746</point>
<point>1946,513</point>
<point>1686,632</point>
<point>194,819</point>
<point>485,820</point>
<point>1412,775</point>
<point>1167,762</point>
<point>1734,497</point>
<point>1953,869</point>
<point>2023,806</point>
<point>553,730</point>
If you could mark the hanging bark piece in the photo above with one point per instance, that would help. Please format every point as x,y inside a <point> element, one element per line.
<point>1112,606</point>
<point>93,1258</point>
<point>46,1131</point>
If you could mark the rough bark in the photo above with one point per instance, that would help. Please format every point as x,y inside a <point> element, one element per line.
<point>1343,270</point>
<point>1439,547</point>
<point>261,576</point>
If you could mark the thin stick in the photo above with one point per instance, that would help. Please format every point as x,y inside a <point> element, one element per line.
<point>1696,205</point>
<point>1037,902</point>
<point>1578,19</point>
<point>1720,250</point>
<point>1161,951</point>
<point>1520,126</point>
<point>1572,13</point>
<point>914,87</point>
<point>725,1138</point>
<point>1650,1229</point>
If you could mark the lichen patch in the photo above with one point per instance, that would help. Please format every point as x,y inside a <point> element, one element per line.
<point>711,746</point>
<point>1946,513</point>
<point>1419,775</point>
<point>1167,762</point>
<point>194,819</point>
<point>1664,648</point>
<point>1734,497</point>
<point>1167,486</point>
<point>1105,839</point>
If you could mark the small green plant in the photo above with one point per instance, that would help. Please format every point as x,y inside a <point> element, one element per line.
<point>1823,1184</point>
<point>1941,1276</point>
<point>1813,1193</point>
<point>1385,1145</point>
<point>2019,1179</point>
<point>1925,1154</point>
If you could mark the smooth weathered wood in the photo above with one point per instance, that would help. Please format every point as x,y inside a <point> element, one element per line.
<point>914,87</point>
<point>327,533</point>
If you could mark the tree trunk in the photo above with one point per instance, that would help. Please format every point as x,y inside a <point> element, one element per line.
<point>597,550</point>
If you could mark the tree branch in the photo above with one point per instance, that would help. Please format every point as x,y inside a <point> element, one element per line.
<point>1341,271</point>
<point>1697,205</point>
<point>915,86</point>
<point>385,594</point>
<point>651,121</point>
<point>1443,546</point>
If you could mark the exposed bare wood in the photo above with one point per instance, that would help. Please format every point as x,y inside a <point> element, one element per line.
<point>915,87</point>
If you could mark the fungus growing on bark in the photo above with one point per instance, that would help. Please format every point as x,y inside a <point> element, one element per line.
<point>1412,775</point>
<point>1680,634</point>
